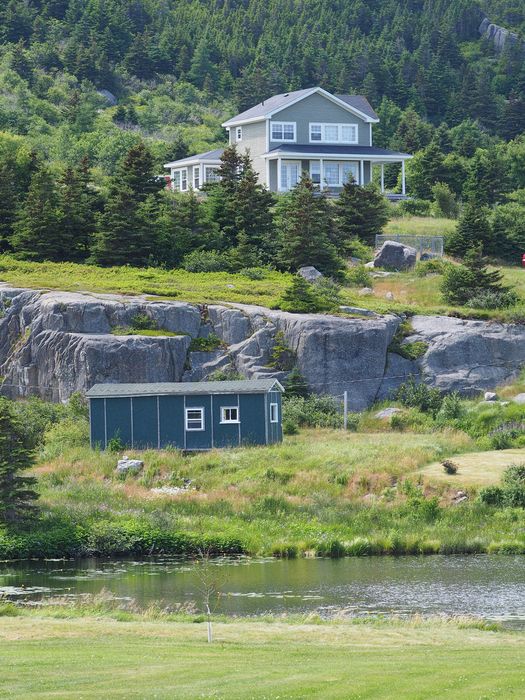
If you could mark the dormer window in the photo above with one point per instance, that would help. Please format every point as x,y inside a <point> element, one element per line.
<point>283,131</point>
<point>333,133</point>
<point>238,133</point>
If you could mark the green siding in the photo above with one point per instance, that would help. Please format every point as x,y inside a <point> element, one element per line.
<point>145,425</point>
<point>224,434</point>
<point>97,423</point>
<point>118,420</point>
<point>252,410</point>
<point>171,414</point>
<point>200,439</point>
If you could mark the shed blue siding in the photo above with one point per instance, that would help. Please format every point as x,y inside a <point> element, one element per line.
<point>199,439</point>
<point>145,423</point>
<point>171,416</point>
<point>225,434</point>
<point>97,423</point>
<point>253,423</point>
<point>118,420</point>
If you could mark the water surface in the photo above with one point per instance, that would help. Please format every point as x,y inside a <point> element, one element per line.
<point>490,587</point>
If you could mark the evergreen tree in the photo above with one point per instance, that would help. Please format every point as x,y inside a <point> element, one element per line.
<point>77,202</point>
<point>305,225</point>
<point>462,284</point>
<point>16,491</point>
<point>9,200</point>
<point>126,233</point>
<point>425,170</point>
<point>362,212</point>
<point>300,297</point>
<point>222,199</point>
<point>473,230</point>
<point>295,384</point>
<point>37,232</point>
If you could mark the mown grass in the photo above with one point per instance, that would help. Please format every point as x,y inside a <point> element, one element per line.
<point>97,657</point>
<point>475,469</point>
<point>420,226</point>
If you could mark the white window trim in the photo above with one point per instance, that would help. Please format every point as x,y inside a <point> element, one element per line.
<point>339,132</point>
<point>224,421</point>
<point>206,169</point>
<point>197,174</point>
<point>339,163</point>
<point>238,133</point>
<point>274,419</point>
<point>194,430</point>
<point>282,125</point>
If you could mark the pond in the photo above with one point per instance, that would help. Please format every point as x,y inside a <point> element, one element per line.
<point>489,587</point>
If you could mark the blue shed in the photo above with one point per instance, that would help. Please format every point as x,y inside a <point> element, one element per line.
<point>186,415</point>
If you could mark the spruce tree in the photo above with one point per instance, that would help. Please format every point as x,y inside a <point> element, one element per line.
<point>16,491</point>
<point>473,229</point>
<point>126,233</point>
<point>462,284</point>
<point>300,297</point>
<point>295,384</point>
<point>362,212</point>
<point>37,231</point>
<point>222,201</point>
<point>77,201</point>
<point>9,199</point>
<point>304,226</point>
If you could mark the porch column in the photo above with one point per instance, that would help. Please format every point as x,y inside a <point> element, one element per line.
<point>278,174</point>
<point>403,178</point>
<point>321,169</point>
<point>362,173</point>
<point>382,178</point>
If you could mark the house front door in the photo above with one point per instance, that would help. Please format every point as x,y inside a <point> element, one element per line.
<point>290,174</point>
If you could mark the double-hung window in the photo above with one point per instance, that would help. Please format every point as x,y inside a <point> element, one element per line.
<point>283,131</point>
<point>315,171</point>
<point>333,133</point>
<point>230,414</point>
<point>175,180</point>
<point>194,419</point>
<point>184,180</point>
<point>211,174</point>
<point>196,177</point>
<point>274,413</point>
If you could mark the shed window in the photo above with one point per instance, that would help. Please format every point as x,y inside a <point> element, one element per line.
<point>274,413</point>
<point>194,419</point>
<point>230,414</point>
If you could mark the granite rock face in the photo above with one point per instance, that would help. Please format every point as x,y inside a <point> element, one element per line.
<point>55,343</point>
<point>499,36</point>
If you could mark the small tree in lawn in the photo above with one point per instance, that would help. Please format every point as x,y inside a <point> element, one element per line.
<point>305,226</point>
<point>362,212</point>
<point>16,493</point>
<point>295,384</point>
<point>473,229</point>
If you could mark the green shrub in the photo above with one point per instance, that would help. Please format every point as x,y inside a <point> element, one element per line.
<point>489,299</point>
<point>357,249</point>
<point>415,207</point>
<point>69,433</point>
<point>279,476</point>
<point>115,444</point>
<point>491,496</point>
<point>290,426</point>
<point>301,298</point>
<point>434,266</point>
<point>282,357</point>
<point>313,411</point>
<point>143,322</point>
<point>449,466</point>
<point>514,495</point>
<point>206,261</point>
<point>359,276</point>
<point>332,548</point>
<point>418,395</point>
<point>451,409</point>
<point>254,273</point>
<point>329,294</point>
<point>444,204</point>
<point>207,344</point>
<point>501,440</point>
<point>514,474</point>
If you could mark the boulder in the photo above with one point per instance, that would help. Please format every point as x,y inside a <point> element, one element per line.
<point>395,256</point>
<point>365,292</point>
<point>520,398</point>
<point>490,396</point>
<point>387,413</point>
<point>127,465</point>
<point>389,296</point>
<point>310,273</point>
<point>357,311</point>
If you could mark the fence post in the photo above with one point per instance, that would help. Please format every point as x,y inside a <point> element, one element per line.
<point>345,409</point>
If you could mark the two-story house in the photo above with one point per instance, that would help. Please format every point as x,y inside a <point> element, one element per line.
<point>328,136</point>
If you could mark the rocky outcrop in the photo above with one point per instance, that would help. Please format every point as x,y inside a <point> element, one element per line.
<point>55,343</point>
<point>499,36</point>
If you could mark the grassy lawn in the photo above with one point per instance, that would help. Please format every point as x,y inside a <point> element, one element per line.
<point>100,658</point>
<point>475,469</point>
<point>420,226</point>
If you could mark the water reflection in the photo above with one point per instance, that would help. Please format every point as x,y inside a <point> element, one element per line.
<point>488,587</point>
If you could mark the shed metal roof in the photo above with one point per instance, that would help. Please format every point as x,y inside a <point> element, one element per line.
<point>246,386</point>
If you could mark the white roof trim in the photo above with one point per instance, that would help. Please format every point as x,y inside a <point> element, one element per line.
<point>236,122</point>
<point>183,164</point>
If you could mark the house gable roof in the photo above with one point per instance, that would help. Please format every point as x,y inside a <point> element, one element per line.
<point>357,104</point>
<point>246,386</point>
<point>212,156</point>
